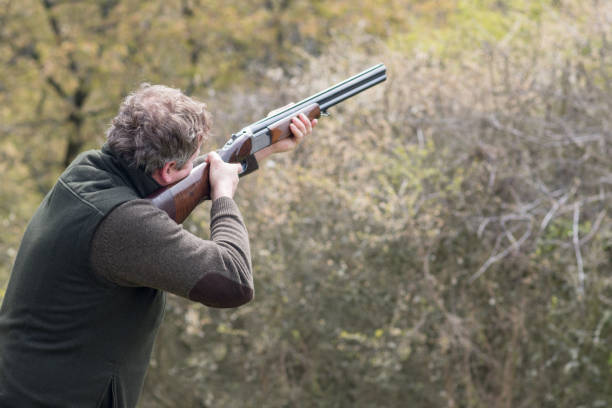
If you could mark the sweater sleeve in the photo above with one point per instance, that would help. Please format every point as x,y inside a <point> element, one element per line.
<point>137,244</point>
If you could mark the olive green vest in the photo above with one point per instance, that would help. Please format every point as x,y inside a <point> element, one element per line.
<point>68,337</point>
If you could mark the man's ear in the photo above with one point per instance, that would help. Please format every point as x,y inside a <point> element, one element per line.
<point>165,175</point>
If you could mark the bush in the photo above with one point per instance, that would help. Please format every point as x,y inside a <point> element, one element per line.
<point>441,240</point>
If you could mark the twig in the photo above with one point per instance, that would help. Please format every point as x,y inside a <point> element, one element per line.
<point>603,320</point>
<point>576,241</point>
<point>594,228</point>
<point>501,255</point>
<point>556,205</point>
<point>483,225</point>
<point>577,140</point>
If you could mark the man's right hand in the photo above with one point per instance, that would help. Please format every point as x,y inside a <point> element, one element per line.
<point>223,176</point>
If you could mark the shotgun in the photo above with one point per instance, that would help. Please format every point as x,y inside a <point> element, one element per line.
<point>179,199</point>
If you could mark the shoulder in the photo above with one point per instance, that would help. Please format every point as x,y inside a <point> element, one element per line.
<point>93,179</point>
<point>137,217</point>
<point>131,232</point>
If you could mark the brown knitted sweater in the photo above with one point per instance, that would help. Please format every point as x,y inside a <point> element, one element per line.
<point>137,244</point>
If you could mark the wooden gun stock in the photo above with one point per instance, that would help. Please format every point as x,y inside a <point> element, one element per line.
<point>179,199</point>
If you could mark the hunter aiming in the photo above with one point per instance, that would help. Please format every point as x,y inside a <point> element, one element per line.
<point>87,290</point>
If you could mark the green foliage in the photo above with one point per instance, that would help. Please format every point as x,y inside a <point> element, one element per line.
<point>421,249</point>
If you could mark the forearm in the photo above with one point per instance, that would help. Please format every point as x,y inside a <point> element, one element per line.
<point>264,153</point>
<point>232,284</point>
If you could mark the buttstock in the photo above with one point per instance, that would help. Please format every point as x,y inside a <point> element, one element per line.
<point>280,130</point>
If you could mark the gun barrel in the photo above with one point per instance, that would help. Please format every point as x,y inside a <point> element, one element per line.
<point>330,96</point>
<point>351,86</point>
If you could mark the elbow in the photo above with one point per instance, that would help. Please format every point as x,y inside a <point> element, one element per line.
<point>246,296</point>
<point>217,290</point>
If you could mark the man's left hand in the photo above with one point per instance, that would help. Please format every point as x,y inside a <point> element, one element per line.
<point>300,128</point>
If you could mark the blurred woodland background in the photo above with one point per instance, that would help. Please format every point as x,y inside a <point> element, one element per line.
<point>442,240</point>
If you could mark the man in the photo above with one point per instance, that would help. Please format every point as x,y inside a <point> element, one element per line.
<point>86,293</point>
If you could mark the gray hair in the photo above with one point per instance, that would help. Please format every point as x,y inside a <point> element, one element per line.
<point>157,124</point>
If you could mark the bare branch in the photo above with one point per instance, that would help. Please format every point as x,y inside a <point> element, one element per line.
<point>600,325</point>
<point>501,255</point>
<point>556,205</point>
<point>594,228</point>
<point>576,241</point>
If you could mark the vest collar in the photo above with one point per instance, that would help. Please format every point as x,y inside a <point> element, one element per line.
<point>134,176</point>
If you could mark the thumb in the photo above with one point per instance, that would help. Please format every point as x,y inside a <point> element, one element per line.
<point>213,157</point>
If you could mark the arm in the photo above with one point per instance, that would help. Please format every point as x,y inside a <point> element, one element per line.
<point>137,244</point>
